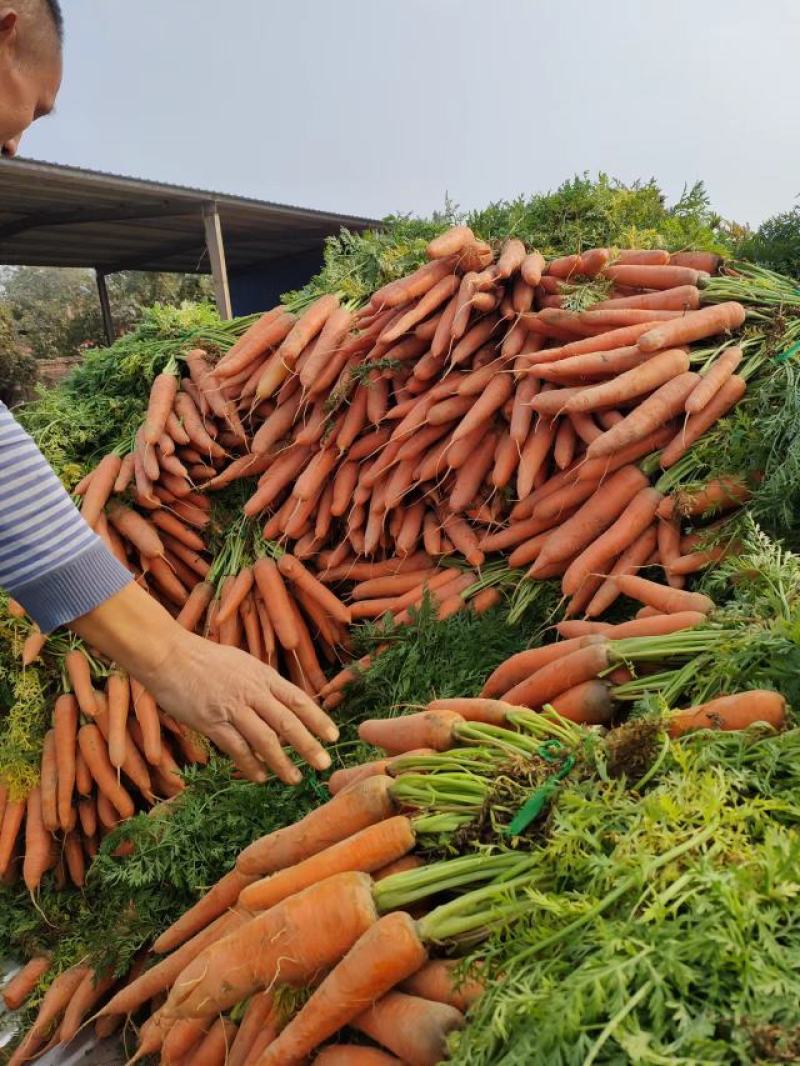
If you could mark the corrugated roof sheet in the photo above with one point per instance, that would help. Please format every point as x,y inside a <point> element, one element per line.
<point>52,215</point>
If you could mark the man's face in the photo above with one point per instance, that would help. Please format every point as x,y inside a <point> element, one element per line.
<point>30,75</point>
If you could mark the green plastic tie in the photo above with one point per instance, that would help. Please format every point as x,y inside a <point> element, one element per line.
<point>535,803</point>
<point>784,357</point>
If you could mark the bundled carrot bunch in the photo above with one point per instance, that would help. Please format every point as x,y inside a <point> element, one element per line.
<point>108,753</point>
<point>460,411</point>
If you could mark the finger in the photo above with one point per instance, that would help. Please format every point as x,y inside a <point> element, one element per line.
<point>232,743</point>
<point>291,730</point>
<point>263,740</point>
<point>312,716</point>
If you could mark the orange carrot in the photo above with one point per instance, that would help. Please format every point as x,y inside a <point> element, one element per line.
<point>162,975</point>
<point>146,711</point>
<point>652,277</point>
<point>413,1028</point>
<point>713,380</point>
<point>601,467</point>
<point>525,663</point>
<point>451,242</point>
<point>662,405</point>
<point>269,330</point>
<point>532,268</point>
<point>679,298</point>
<point>387,953</point>
<point>39,850</point>
<point>137,530</point>
<point>593,517</point>
<point>23,983</point>
<point>591,364</point>
<point>118,691</point>
<point>473,709</point>
<point>642,379</point>
<point>631,523</point>
<point>48,782</point>
<point>90,991</point>
<point>80,677</point>
<point>94,751</point>
<point>355,1055</point>
<point>427,729</point>
<point>629,562</point>
<point>534,454</point>
<point>52,1007</point>
<point>583,664</point>
<point>196,605</point>
<point>721,494</point>
<point>294,571</point>
<point>219,898</point>
<point>564,444</point>
<point>278,943</point>
<point>348,812</point>
<point>707,262</point>
<point>442,291</point>
<point>101,487</point>
<point>437,981</point>
<point>195,428</point>
<point>214,1046</point>
<point>329,343</point>
<point>276,599</point>
<point>34,643</point>
<point>667,600</point>
<point>696,325</point>
<point>588,703</point>
<point>643,256</point>
<point>615,338</point>
<point>183,1037</point>
<point>365,851</point>
<point>162,396</point>
<point>726,397</point>
<point>738,711</point>
<point>305,329</point>
<point>258,1017</point>
<point>13,817</point>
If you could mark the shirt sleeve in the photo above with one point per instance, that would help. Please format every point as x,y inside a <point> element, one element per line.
<point>50,560</point>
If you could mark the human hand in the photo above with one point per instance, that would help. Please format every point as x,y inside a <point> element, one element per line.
<point>245,707</point>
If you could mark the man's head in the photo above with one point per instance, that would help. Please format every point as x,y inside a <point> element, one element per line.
<point>30,65</point>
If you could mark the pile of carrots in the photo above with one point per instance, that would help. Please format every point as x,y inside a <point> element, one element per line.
<point>462,411</point>
<point>110,752</point>
<point>341,903</point>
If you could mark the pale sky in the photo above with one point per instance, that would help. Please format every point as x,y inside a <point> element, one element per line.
<point>375,106</point>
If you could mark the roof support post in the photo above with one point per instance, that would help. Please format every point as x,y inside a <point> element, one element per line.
<point>216,255</point>
<point>105,306</point>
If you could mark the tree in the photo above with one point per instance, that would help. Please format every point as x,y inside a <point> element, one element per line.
<point>776,243</point>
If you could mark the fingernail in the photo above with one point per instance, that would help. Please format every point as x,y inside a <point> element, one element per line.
<point>261,777</point>
<point>332,734</point>
<point>322,761</point>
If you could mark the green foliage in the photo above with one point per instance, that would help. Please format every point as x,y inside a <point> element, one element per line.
<point>776,243</point>
<point>433,660</point>
<point>630,956</point>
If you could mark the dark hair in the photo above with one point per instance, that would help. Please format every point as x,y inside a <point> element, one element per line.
<point>54,8</point>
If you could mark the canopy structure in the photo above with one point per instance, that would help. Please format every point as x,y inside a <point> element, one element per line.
<point>59,216</point>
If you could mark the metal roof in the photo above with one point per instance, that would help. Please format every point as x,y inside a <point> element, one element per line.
<point>52,215</point>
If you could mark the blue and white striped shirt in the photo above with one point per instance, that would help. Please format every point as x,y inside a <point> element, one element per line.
<point>50,560</point>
